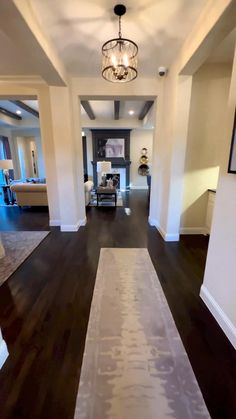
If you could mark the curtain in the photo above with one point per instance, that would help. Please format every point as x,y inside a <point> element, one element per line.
<point>5,153</point>
<point>6,147</point>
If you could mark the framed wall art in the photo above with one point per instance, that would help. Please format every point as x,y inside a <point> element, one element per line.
<point>232,156</point>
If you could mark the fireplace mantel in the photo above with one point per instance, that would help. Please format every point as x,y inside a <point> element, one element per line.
<point>116,162</point>
<point>125,164</point>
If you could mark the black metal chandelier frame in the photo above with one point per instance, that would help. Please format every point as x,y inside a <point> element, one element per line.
<point>120,71</point>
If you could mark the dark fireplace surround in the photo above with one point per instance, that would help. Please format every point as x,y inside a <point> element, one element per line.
<point>116,163</point>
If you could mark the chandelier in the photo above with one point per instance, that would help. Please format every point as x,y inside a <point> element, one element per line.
<point>119,63</point>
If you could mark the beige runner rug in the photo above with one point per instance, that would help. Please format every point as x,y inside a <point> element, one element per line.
<point>134,365</point>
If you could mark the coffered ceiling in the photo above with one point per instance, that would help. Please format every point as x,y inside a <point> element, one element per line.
<point>224,52</point>
<point>117,113</point>
<point>19,113</point>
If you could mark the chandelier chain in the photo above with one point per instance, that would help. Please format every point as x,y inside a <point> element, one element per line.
<point>120,34</point>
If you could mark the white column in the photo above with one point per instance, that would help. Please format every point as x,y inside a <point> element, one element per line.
<point>169,144</point>
<point>179,143</point>
<point>49,155</point>
<point>3,350</point>
<point>78,155</point>
<point>69,161</point>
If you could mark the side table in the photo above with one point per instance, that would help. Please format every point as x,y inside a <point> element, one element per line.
<point>105,191</point>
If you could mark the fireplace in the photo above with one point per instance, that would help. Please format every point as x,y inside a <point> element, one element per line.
<point>122,170</point>
<point>120,165</point>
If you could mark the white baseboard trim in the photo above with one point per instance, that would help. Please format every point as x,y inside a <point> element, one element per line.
<point>222,319</point>
<point>83,222</point>
<point>73,227</point>
<point>171,237</point>
<point>3,353</point>
<point>138,187</point>
<point>152,222</point>
<point>193,230</point>
<point>54,223</point>
<point>166,236</point>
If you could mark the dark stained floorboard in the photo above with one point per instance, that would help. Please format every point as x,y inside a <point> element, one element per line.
<point>44,310</point>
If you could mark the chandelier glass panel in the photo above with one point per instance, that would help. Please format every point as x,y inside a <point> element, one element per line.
<point>119,64</point>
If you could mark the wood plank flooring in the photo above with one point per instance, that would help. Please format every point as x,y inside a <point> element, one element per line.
<point>44,310</point>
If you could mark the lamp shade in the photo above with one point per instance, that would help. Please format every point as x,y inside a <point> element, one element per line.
<point>103,166</point>
<point>6,164</point>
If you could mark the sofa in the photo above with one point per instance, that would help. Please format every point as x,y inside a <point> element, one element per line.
<point>30,194</point>
<point>35,194</point>
<point>88,186</point>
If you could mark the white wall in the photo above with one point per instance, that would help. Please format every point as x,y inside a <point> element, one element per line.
<point>219,285</point>
<point>8,132</point>
<point>138,140</point>
<point>26,136</point>
<point>25,146</point>
<point>206,130</point>
<point>40,157</point>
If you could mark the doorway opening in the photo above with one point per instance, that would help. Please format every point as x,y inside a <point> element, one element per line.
<point>207,136</point>
<point>120,133</point>
<point>22,169</point>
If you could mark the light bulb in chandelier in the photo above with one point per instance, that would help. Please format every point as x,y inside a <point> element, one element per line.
<point>119,62</point>
<point>125,60</point>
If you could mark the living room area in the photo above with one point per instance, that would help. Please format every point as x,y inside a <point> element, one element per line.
<point>22,169</point>
<point>117,138</point>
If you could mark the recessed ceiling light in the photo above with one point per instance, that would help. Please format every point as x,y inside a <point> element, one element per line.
<point>18,112</point>
<point>131,112</point>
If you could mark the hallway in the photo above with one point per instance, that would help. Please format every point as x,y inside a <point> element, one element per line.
<point>44,311</point>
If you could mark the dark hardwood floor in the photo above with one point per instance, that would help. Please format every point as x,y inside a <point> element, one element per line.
<point>44,310</point>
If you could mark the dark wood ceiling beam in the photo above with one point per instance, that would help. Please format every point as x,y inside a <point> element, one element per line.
<point>116,109</point>
<point>146,108</point>
<point>10,114</point>
<point>25,107</point>
<point>87,107</point>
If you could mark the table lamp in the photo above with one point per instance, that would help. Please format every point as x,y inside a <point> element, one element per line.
<point>103,167</point>
<point>6,165</point>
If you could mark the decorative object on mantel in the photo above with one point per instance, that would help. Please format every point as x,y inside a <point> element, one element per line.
<point>143,169</point>
<point>103,167</point>
<point>119,63</point>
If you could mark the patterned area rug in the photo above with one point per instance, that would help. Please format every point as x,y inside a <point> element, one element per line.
<point>16,247</point>
<point>135,365</point>
<point>108,202</point>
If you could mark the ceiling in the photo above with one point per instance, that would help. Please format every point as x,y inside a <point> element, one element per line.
<point>78,28</point>
<point>224,53</point>
<point>9,121</point>
<point>103,111</point>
